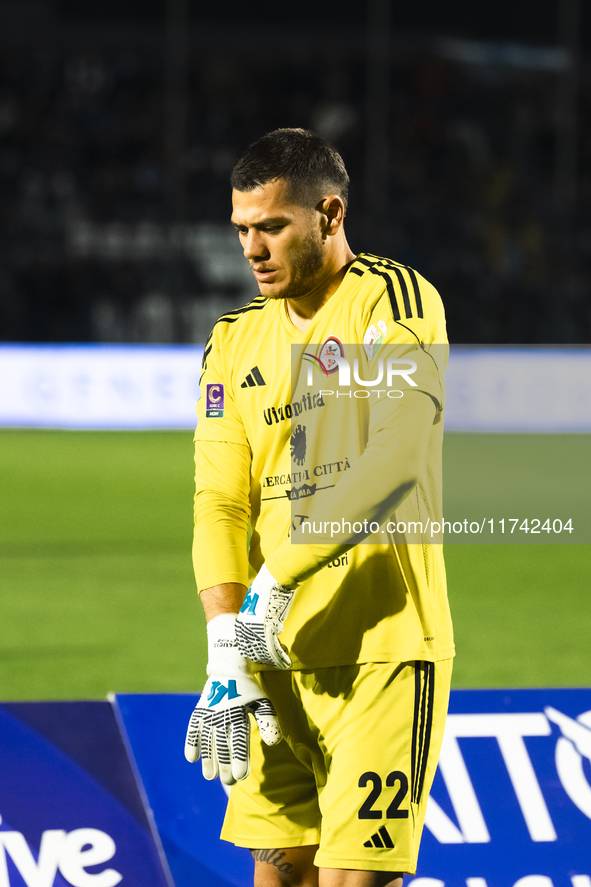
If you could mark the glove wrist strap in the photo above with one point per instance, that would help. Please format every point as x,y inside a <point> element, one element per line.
<point>224,658</point>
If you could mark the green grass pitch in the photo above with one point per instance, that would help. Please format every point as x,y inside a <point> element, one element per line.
<point>98,593</point>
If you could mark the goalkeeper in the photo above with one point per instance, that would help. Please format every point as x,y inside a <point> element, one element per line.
<point>340,647</point>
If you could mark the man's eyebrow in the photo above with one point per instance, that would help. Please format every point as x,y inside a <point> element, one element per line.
<point>265,223</point>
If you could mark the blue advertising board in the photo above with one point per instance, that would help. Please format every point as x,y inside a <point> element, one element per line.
<point>510,804</point>
<point>188,810</point>
<point>83,783</point>
<point>512,794</point>
<point>71,814</point>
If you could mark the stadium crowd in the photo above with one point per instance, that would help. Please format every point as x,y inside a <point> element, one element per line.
<point>472,201</point>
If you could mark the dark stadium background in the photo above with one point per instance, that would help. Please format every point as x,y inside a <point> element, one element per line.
<point>466,129</point>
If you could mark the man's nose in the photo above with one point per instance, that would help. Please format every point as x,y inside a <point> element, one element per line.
<point>254,247</point>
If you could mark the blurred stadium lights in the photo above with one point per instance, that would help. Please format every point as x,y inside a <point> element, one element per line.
<point>211,248</point>
<point>464,129</point>
<point>563,59</point>
<point>378,109</point>
<point>176,104</point>
<point>511,55</point>
<point>569,27</point>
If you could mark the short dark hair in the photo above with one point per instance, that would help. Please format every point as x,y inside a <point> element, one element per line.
<point>309,165</point>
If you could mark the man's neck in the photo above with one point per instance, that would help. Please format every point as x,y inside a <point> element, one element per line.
<point>302,310</point>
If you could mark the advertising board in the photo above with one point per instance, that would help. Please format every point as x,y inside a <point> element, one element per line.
<point>513,389</point>
<point>511,797</point>
<point>72,814</point>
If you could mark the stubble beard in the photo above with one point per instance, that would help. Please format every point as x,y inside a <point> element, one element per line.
<point>305,270</point>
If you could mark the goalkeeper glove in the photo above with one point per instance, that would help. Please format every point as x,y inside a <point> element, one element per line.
<point>260,620</point>
<point>219,729</point>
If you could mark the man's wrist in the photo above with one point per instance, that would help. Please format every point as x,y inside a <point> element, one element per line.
<point>222,599</point>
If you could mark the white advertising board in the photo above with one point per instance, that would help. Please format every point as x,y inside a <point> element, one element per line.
<point>519,389</point>
<point>152,386</point>
<point>102,386</point>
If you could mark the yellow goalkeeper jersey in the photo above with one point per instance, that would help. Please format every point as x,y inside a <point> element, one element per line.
<point>286,424</point>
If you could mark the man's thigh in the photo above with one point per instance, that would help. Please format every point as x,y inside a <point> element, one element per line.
<point>276,806</point>
<point>364,740</point>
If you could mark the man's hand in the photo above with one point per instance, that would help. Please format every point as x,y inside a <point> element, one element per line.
<point>219,729</point>
<point>260,620</point>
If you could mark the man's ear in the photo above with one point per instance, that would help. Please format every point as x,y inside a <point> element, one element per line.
<point>332,209</point>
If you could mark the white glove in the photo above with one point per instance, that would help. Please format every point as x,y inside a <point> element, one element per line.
<point>260,620</point>
<point>219,729</point>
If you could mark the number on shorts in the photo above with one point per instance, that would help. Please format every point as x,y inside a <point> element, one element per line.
<point>393,811</point>
<point>366,811</point>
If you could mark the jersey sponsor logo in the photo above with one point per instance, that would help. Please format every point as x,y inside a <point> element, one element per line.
<point>301,492</point>
<point>214,401</point>
<point>327,360</point>
<point>253,379</point>
<point>296,521</point>
<point>292,410</point>
<point>282,480</point>
<point>297,445</point>
<point>322,470</point>
<point>327,467</point>
<point>339,561</point>
<point>372,338</point>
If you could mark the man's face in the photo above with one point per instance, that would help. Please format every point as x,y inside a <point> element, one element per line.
<point>281,239</point>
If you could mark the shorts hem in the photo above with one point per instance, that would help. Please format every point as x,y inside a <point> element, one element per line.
<point>273,844</point>
<point>323,860</point>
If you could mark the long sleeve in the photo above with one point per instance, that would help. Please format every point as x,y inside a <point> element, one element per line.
<point>222,511</point>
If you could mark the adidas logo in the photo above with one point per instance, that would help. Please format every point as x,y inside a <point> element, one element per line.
<point>380,839</point>
<point>253,379</point>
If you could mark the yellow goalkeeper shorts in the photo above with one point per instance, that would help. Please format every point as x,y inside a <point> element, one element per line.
<point>355,773</point>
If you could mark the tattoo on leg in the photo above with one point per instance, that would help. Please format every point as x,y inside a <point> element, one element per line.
<point>274,857</point>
